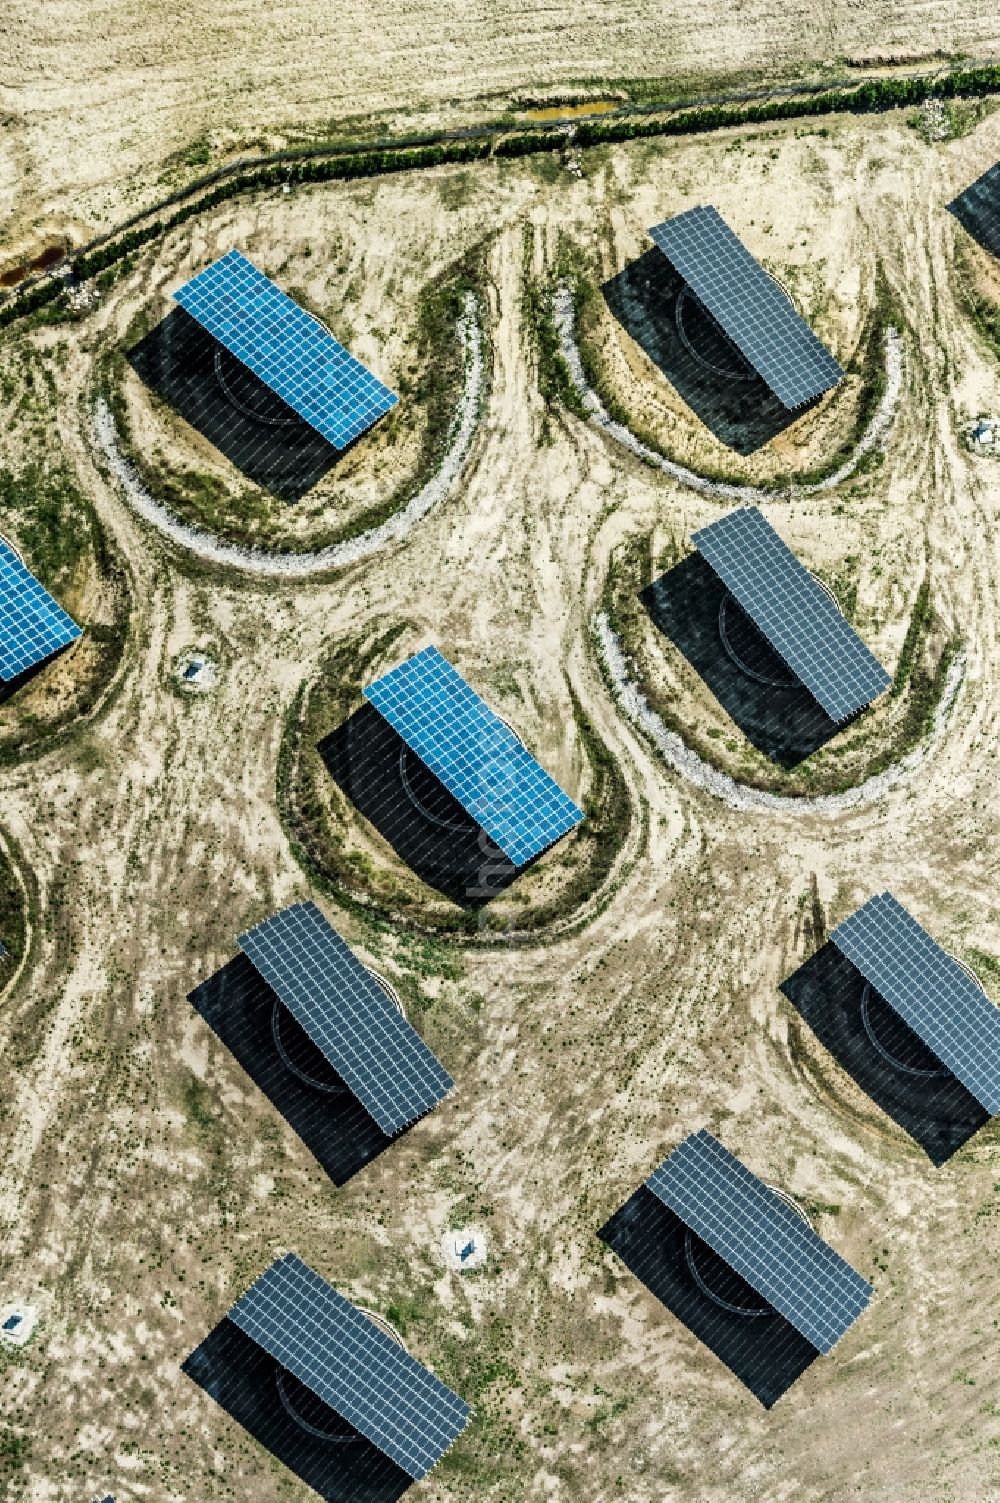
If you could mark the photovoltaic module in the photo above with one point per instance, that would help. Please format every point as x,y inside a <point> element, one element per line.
<point>747,305</point>
<point>929,990</point>
<point>379,1056</point>
<point>762,1238</point>
<point>32,625</point>
<point>356,1369</point>
<point>793,611</point>
<point>474,754</point>
<point>286,348</point>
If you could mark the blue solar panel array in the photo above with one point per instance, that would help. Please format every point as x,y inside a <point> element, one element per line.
<point>793,611</point>
<point>477,758</point>
<point>760,1236</point>
<point>748,305</point>
<point>359,1371</point>
<point>32,625</point>
<point>978,209</point>
<point>929,990</point>
<point>381,1059</point>
<point>286,348</point>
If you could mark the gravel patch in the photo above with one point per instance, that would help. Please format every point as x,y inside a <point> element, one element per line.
<point>338,555</point>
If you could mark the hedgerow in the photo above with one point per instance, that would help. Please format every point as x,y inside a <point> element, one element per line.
<point>872,96</point>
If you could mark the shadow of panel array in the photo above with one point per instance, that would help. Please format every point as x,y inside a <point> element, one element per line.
<point>759,1346</point>
<point>414,812</point>
<point>291,1422</point>
<point>739,408</point>
<point>883,1055</point>
<point>978,209</point>
<point>257,432</point>
<point>281,1058</point>
<point>9,687</point>
<point>691,606</point>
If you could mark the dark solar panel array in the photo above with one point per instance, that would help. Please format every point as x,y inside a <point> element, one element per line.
<point>286,348</point>
<point>32,625</point>
<point>378,1055</point>
<point>477,758</point>
<point>748,305</point>
<point>359,1371</point>
<point>760,1236</point>
<point>929,990</point>
<point>978,209</point>
<point>793,611</point>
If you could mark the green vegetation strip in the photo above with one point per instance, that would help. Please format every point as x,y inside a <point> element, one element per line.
<point>555,380</point>
<point>979,308</point>
<point>17,903</point>
<point>340,165</point>
<point>53,522</point>
<point>47,508</point>
<point>871,97</point>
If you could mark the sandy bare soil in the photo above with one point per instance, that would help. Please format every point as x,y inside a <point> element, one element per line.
<point>146,1181</point>
<point>94,97</point>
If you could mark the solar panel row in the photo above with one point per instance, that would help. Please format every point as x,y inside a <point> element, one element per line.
<point>358,1370</point>
<point>292,1313</point>
<point>32,625</point>
<point>379,1056</point>
<point>929,990</point>
<point>286,348</point>
<point>748,305</point>
<point>760,1236</point>
<point>793,611</point>
<point>742,1220</point>
<point>978,209</point>
<point>477,758</point>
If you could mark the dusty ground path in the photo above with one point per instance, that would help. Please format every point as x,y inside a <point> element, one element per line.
<point>146,1180</point>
